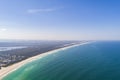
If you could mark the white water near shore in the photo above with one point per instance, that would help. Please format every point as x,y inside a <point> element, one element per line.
<point>7,70</point>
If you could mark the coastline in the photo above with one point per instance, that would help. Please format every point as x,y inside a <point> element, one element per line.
<point>7,70</point>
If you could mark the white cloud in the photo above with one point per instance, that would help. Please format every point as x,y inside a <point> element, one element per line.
<point>32,11</point>
<point>3,29</point>
<point>40,10</point>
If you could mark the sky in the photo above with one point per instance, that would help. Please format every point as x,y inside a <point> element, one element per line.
<point>60,19</point>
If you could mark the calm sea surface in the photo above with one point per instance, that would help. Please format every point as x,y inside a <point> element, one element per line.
<point>94,61</point>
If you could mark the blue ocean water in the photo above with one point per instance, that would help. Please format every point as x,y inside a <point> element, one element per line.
<point>94,61</point>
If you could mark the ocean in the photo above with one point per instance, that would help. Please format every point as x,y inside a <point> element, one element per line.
<point>94,61</point>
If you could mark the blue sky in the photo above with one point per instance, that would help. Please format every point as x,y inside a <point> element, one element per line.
<point>60,19</point>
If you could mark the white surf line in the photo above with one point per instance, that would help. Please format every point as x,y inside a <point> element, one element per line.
<point>7,70</point>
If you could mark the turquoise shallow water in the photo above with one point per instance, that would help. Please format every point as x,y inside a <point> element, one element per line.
<point>95,61</point>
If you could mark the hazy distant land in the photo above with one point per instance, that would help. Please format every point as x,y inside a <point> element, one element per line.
<point>26,56</point>
<point>13,52</point>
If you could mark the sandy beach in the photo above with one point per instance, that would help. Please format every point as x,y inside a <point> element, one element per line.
<point>7,70</point>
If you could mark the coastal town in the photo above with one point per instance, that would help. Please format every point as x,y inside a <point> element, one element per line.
<point>6,59</point>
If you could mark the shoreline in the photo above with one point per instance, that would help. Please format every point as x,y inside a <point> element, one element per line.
<point>7,70</point>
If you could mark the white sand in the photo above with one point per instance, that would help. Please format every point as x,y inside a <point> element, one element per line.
<point>7,70</point>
